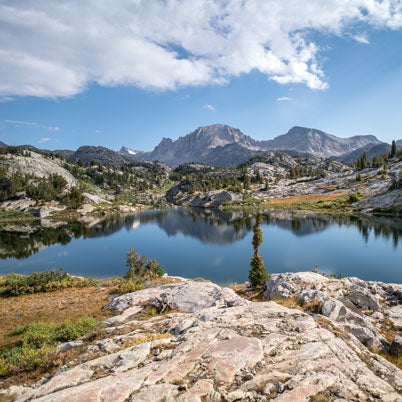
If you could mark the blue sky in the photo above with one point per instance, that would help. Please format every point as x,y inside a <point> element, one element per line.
<point>349,82</point>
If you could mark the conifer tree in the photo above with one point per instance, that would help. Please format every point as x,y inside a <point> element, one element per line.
<point>258,274</point>
<point>393,149</point>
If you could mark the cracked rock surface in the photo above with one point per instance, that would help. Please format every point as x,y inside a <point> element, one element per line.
<point>220,348</point>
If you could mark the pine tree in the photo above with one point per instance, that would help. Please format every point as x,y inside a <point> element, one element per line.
<point>393,149</point>
<point>258,274</point>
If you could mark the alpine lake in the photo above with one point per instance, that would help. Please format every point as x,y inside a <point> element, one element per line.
<point>211,244</point>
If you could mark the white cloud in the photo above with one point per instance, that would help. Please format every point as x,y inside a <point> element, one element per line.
<point>53,128</point>
<point>44,139</point>
<point>56,49</point>
<point>283,98</point>
<point>97,131</point>
<point>4,99</point>
<point>209,107</point>
<point>21,123</point>
<point>361,38</point>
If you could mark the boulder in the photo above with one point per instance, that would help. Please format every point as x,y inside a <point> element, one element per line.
<point>348,302</point>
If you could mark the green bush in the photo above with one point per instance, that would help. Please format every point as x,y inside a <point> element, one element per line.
<point>75,198</point>
<point>142,267</point>
<point>353,198</point>
<point>129,286</point>
<point>45,281</point>
<point>37,345</point>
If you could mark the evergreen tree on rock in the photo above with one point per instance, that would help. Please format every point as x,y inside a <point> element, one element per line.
<point>258,274</point>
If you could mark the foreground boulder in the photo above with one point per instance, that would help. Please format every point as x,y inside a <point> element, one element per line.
<point>223,349</point>
<point>358,307</point>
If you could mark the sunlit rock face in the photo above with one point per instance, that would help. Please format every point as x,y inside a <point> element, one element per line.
<point>221,347</point>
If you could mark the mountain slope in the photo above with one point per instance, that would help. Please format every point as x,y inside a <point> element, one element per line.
<point>317,142</point>
<point>371,150</point>
<point>208,145</point>
<point>3,145</point>
<point>194,147</point>
<point>88,153</point>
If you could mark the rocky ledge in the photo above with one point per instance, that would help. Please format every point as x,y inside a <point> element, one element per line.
<point>209,344</point>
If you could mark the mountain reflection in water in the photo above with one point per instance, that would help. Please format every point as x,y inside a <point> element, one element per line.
<point>221,235</point>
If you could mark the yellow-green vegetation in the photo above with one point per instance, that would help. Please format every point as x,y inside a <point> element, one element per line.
<point>315,202</point>
<point>396,360</point>
<point>328,203</point>
<point>141,268</point>
<point>145,338</point>
<point>45,281</point>
<point>64,313</point>
<point>38,341</point>
<point>129,285</point>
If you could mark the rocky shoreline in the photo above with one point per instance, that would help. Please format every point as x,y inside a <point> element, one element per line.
<point>209,344</point>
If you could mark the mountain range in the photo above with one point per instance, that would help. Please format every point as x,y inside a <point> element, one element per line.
<point>223,146</point>
<point>220,145</point>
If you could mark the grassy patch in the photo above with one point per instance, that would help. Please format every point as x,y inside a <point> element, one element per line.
<point>36,282</point>
<point>37,343</point>
<point>60,316</point>
<point>315,202</point>
<point>128,286</point>
<point>396,360</point>
<point>145,338</point>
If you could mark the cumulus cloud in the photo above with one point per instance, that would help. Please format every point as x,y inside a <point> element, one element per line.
<point>53,128</point>
<point>209,107</point>
<point>283,98</point>
<point>44,139</point>
<point>56,49</point>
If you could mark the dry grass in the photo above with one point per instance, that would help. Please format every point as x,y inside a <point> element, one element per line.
<point>396,360</point>
<point>56,307</point>
<point>145,338</point>
<point>295,199</point>
<point>388,329</point>
<point>290,302</point>
<point>254,295</point>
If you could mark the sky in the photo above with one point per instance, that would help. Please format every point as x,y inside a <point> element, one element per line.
<point>130,72</point>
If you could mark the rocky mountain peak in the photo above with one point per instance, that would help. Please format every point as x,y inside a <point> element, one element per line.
<point>130,151</point>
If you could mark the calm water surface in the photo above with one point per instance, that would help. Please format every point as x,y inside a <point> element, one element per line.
<point>211,244</point>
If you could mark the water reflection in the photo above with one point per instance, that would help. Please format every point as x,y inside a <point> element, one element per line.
<point>208,226</point>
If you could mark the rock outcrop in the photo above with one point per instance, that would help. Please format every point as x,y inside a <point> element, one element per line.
<point>220,347</point>
<point>357,307</point>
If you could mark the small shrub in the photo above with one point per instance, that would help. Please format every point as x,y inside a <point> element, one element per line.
<point>353,198</point>
<point>129,286</point>
<point>45,281</point>
<point>142,267</point>
<point>4,369</point>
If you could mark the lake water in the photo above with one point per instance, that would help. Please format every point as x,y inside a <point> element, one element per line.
<point>211,244</point>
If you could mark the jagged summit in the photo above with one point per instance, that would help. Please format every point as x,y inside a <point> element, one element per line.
<point>209,144</point>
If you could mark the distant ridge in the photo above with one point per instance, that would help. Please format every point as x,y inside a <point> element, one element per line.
<point>224,146</point>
